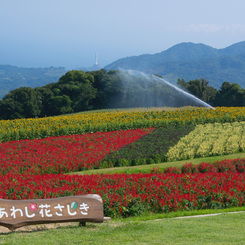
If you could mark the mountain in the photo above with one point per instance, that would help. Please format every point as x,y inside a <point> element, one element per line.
<point>191,61</point>
<point>12,77</point>
<point>185,60</point>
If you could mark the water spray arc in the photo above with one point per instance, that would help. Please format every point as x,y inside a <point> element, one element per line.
<point>184,92</point>
<point>143,90</point>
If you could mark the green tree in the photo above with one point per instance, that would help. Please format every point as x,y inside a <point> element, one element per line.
<point>60,105</point>
<point>230,94</point>
<point>199,88</point>
<point>45,95</point>
<point>101,80</point>
<point>78,86</point>
<point>20,103</point>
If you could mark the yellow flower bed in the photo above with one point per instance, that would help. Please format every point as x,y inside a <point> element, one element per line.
<point>114,120</point>
<point>210,140</point>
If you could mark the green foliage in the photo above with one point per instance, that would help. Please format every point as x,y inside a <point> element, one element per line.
<point>60,105</point>
<point>72,93</point>
<point>199,88</point>
<point>230,95</point>
<point>78,88</point>
<point>20,103</point>
<point>123,162</point>
<point>80,91</point>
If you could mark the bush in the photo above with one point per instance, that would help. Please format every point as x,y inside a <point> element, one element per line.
<point>174,170</point>
<point>206,167</point>
<point>150,161</point>
<point>225,165</point>
<point>106,164</point>
<point>240,166</point>
<point>122,162</point>
<point>156,170</point>
<point>189,168</point>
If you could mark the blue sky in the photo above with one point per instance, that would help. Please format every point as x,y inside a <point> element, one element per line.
<point>68,33</point>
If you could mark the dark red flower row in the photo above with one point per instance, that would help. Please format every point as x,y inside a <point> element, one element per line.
<point>226,165</point>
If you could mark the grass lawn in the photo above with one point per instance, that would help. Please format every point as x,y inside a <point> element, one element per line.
<point>148,168</point>
<point>226,228</point>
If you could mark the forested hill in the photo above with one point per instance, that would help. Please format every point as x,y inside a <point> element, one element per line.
<point>185,60</point>
<point>12,77</point>
<point>190,61</point>
<point>78,91</point>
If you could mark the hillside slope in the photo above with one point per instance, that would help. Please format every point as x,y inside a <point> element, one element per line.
<point>191,61</point>
<point>12,77</point>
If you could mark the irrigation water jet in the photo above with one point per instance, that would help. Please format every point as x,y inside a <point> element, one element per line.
<point>139,89</point>
<point>184,92</point>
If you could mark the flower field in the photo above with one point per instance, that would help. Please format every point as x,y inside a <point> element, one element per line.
<point>64,153</point>
<point>149,149</point>
<point>123,195</point>
<point>210,140</point>
<point>35,154</point>
<point>111,121</point>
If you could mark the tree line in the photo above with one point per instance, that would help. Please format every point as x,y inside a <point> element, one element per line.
<point>80,91</point>
<point>229,94</point>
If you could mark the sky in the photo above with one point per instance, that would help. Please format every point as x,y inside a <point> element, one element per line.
<point>68,33</point>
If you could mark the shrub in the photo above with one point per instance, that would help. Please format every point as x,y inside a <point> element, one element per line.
<point>174,170</point>
<point>189,168</point>
<point>122,162</point>
<point>206,167</point>
<point>225,166</point>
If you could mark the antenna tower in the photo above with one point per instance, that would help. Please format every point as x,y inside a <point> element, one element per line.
<point>96,59</point>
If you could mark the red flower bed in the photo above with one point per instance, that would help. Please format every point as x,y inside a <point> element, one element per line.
<point>136,193</point>
<point>218,166</point>
<point>64,153</point>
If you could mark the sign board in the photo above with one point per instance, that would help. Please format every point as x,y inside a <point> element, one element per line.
<point>18,213</point>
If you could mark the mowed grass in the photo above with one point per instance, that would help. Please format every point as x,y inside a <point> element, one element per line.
<point>148,168</point>
<point>226,228</point>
